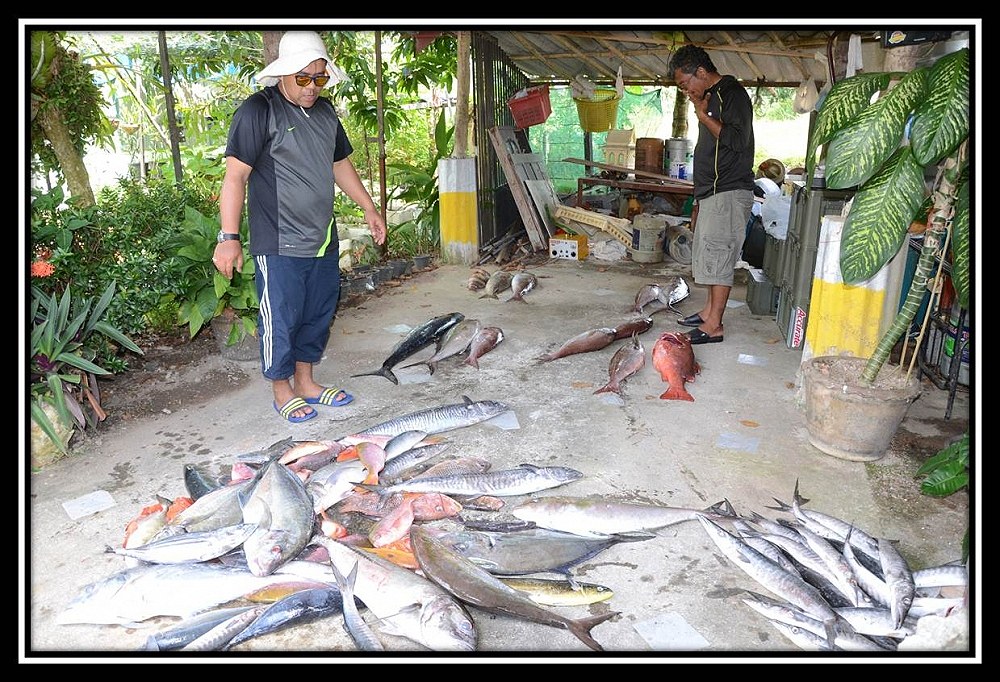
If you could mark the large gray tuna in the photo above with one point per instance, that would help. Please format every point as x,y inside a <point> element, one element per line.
<point>476,586</point>
<point>283,511</point>
<point>455,341</point>
<point>418,338</point>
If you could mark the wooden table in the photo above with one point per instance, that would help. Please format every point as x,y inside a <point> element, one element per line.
<point>676,194</point>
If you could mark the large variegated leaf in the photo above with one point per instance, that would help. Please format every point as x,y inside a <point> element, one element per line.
<point>858,149</point>
<point>960,245</point>
<point>879,217</point>
<point>844,101</point>
<point>941,121</point>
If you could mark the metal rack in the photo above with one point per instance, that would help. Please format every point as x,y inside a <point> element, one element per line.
<point>931,357</point>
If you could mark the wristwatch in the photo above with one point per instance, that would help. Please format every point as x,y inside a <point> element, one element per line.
<point>227,236</point>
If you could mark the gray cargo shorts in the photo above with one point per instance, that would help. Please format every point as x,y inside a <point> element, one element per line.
<point>718,236</point>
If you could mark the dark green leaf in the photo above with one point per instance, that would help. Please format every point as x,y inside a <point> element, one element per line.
<point>941,120</point>
<point>960,264</point>
<point>860,148</point>
<point>945,480</point>
<point>880,216</point>
<point>39,417</point>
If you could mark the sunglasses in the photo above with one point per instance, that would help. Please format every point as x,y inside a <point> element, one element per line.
<point>303,80</point>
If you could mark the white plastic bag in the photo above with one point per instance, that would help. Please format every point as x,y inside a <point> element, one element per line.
<point>805,97</point>
<point>774,214</point>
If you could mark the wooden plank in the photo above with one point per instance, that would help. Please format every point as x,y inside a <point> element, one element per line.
<point>545,200</point>
<point>634,171</point>
<point>505,143</point>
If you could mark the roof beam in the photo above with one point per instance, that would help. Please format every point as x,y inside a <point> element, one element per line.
<point>746,60</point>
<point>579,54</point>
<point>795,60</point>
<point>544,59</point>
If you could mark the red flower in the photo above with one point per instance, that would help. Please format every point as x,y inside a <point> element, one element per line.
<point>41,268</point>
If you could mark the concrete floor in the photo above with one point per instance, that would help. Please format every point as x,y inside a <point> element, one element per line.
<point>743,438</point>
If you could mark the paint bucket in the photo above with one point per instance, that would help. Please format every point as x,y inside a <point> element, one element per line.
<point>649,154</point>
<point>679,159</point>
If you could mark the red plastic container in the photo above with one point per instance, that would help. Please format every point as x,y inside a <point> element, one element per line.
<point>532,109</point>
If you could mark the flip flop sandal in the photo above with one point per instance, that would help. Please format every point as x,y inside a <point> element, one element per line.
<point>329,396</point>
<point>692,321</point>
<point>698,336</point>
<point>293,404</point>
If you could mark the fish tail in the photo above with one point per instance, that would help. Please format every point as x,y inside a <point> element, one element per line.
<point>607,388</point>
<point>472,362</point>
<point>380,372</point>
<point>488,296</point>
<point>676,393</point>
<point>581,628</point>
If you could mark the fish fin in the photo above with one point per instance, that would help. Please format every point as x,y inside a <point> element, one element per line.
<point>380,372</point>
<point>633,536</point>
<point>798,498</point>
<point>782,506</point>
<point>607,388</point>
<point>581,628</point>
<point>676,393</point>
<point>472,362</point>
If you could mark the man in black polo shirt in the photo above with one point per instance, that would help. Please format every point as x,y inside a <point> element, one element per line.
<point>723,182</point>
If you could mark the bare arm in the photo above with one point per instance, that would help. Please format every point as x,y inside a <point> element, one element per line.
<point>349,181</point>
<point>229,254</point>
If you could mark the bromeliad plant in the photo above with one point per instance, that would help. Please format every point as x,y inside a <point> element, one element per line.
<point>866,146</point>
<point>946,473</point>
<point>63,372</point>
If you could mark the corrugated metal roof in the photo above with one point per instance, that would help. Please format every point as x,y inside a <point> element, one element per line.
<point>751,54</point>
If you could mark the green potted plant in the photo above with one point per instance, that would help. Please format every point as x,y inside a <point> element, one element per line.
<point>206,297</point>
<point>853,407</point>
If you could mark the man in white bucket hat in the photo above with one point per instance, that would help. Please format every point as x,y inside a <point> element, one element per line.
<point>286,151</point>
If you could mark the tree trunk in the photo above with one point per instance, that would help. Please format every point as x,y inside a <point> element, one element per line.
<point>680,128</point>
<point>462,108</point>
<point>175,134</point>
<point>271,41</point>
<point>70,160</point>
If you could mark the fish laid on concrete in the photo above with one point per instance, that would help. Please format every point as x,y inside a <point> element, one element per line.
<point>434,419</point>
<point>357,628</point>
<point>416,340</point>
<point>531,550</point>
<point>149,590</point>
<point>584,342</point>
<point>191,628</point>
<point>673,358</point>
<point>639,324</point>
<point>190,547</point>
<point>482,343</point>
<point>520,284</point>
<point>283,512</point>
<point>600,517</point>
<point>455,341</point>
<point>302,606</point>
<point>478,587</point>
<point>549,592</point>
<point>626,361</point>
<point>405,603</point>
<point>521,480</point>
<point>646,295</point>
<point>498,282</point>
<point>790,587</point>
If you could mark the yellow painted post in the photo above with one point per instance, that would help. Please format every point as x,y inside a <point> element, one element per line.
<point>848,319</point>
<point>459,215</point>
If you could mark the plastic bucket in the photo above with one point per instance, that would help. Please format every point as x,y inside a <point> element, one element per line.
<point>679,159</point>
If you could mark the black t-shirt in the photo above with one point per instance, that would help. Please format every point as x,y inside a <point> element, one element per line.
<point>727,163</point>
<point>291,188</point>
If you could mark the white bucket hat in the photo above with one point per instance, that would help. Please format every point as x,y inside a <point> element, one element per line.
<point>297,50</point>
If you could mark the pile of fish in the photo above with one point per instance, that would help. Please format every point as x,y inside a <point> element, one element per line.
<point>519,283</point>
<point>672,353</point>
<point>835,587</point>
